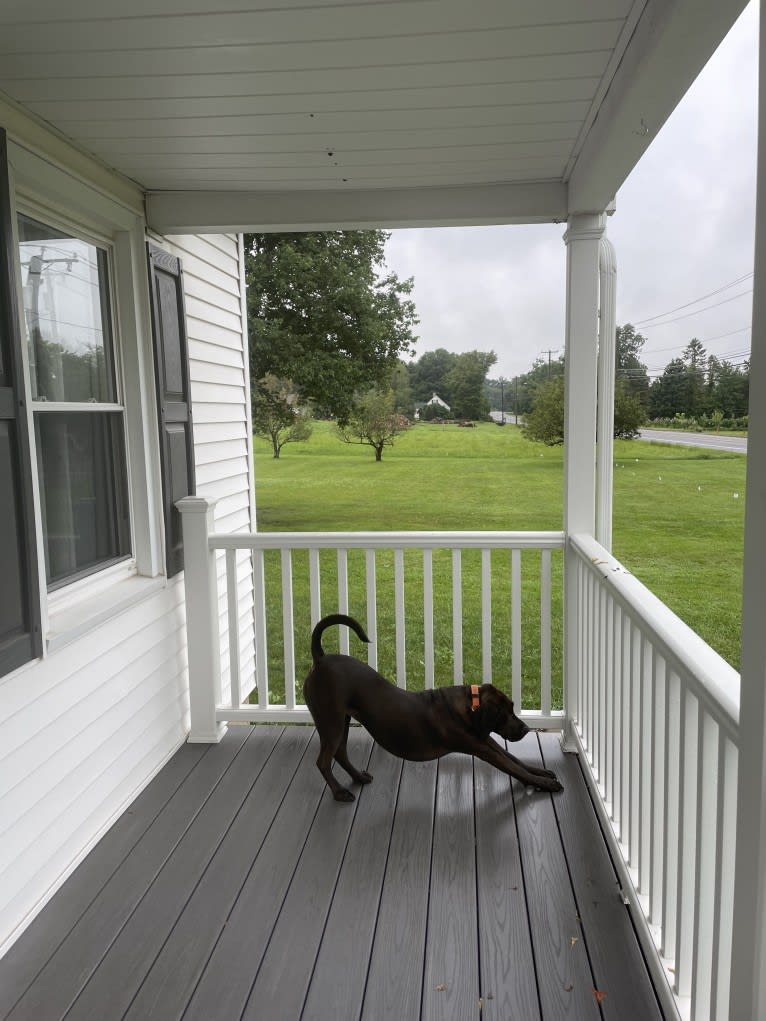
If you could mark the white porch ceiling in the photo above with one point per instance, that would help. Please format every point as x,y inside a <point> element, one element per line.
<point>288,113</point>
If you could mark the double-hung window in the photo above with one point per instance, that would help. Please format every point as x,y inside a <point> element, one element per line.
<point>79,418</point>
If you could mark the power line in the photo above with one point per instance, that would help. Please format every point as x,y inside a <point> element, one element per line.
<point>707,308</point>
<point>703,340</point>
<point>725,287</point>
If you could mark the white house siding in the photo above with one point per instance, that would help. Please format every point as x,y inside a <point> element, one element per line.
<point>83,730</point>
<point>214,294</point>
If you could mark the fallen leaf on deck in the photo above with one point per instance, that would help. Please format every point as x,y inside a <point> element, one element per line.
<point>599,995</point>
<point>568,989</point>
<point>572,940</point>
<point>441,987</point>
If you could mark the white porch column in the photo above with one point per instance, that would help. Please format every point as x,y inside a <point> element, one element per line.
<point>583,239</point>
<point>202,623</point>
<point>748,964</point>
<point>607,344</point>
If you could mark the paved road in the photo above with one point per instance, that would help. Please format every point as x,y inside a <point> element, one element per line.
<point>711,441</point>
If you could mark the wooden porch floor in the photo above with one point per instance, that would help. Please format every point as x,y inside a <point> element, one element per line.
<point>234,887</point>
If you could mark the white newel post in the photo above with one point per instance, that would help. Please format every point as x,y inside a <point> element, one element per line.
<point>583,240</point>
<point>748,955</point>
<point>202,625</point>
<point>607,344</point>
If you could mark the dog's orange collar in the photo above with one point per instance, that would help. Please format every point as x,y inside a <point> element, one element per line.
<point>474,697</point>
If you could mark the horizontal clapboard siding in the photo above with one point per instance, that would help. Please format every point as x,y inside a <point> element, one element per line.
<point>82,731</point>
<point>220,403</point>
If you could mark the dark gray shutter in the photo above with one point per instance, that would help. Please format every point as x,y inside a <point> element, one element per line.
<point>20,633</point>
<point>171,359</point>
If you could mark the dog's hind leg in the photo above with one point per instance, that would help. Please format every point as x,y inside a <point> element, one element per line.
<point>341,757</point>
<point>331,739</point>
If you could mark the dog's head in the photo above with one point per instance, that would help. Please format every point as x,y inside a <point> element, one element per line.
<point>495,715</point>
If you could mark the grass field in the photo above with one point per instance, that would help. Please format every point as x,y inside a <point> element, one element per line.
<point>678,520</point>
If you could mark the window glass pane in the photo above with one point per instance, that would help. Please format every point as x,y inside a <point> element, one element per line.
<point>83,489</point>
<point>67,315</point>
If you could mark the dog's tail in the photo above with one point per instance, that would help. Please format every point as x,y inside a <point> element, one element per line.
<point>335,618</point>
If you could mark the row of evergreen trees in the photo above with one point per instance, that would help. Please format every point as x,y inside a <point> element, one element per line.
<point>695,386</point>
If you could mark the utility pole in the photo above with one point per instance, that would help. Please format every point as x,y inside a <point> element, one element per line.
<point>549,353</point>
<point>502,403</point>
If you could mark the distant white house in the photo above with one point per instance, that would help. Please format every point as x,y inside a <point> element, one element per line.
<point>435,400</point>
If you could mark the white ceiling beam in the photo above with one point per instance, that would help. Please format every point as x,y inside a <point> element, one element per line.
<point>672,42</point>
<point>204,212</point>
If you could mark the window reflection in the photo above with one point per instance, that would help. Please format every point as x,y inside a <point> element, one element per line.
<point>84,491</point>
<point>66,308</point>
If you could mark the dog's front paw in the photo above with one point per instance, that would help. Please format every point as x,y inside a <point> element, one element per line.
<point>344,795</point>
<point>552,784</point>
<point>548,783</point>
<point>365,777</point>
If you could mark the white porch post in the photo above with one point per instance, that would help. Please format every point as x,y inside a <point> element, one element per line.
<point>607,343</point>
<point>582,238</point>
<point>748,958</point>
<point>202,624</point>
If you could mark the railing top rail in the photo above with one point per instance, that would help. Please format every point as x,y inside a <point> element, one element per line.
<point>715,680</point>
<point>387,540</point>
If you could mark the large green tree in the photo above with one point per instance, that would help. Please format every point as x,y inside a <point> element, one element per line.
<point>429,375</point>
<point>629,369</point>
<point>467,380</point>
<point>400,384</point>
<point>323,312</point>
<point>695,358</point>
<point>667,397</point>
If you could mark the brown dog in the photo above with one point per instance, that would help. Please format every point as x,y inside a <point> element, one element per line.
<point>412,725</point>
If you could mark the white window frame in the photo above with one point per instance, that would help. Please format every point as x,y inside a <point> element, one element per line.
<point>126,567</point>
<point>42,191</point>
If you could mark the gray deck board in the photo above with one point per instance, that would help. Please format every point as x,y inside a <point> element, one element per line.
<point>395,976</point>
<point>612,947</point>
<point>283,978</point>
<point>565,981</point>
<point>175,972</point>
<point>236,887</point>
<point>508,981</point>
<point>50,928</point>
<point>340,973</point>
<point>451,975</point>
<point>64,976</point>
<point>225,985</point>
<point>129,958</point>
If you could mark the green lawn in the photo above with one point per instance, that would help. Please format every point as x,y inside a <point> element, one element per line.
<point>677,526</point>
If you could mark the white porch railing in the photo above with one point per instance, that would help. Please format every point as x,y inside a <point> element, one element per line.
<point>438,607</point>
<point>390,577</point>
<point>656,716</point>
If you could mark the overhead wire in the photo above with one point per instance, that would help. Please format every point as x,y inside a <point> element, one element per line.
<point>704,297</point>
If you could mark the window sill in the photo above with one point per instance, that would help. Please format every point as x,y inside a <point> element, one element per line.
<point>77,618</point>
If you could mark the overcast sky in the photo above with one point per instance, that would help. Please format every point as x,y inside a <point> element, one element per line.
<point>682,230</point>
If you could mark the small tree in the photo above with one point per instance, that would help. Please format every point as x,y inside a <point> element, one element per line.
<point>275,415</point>
<point>545,422</point>
<point>374,422</point>
<point>629,413</point>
